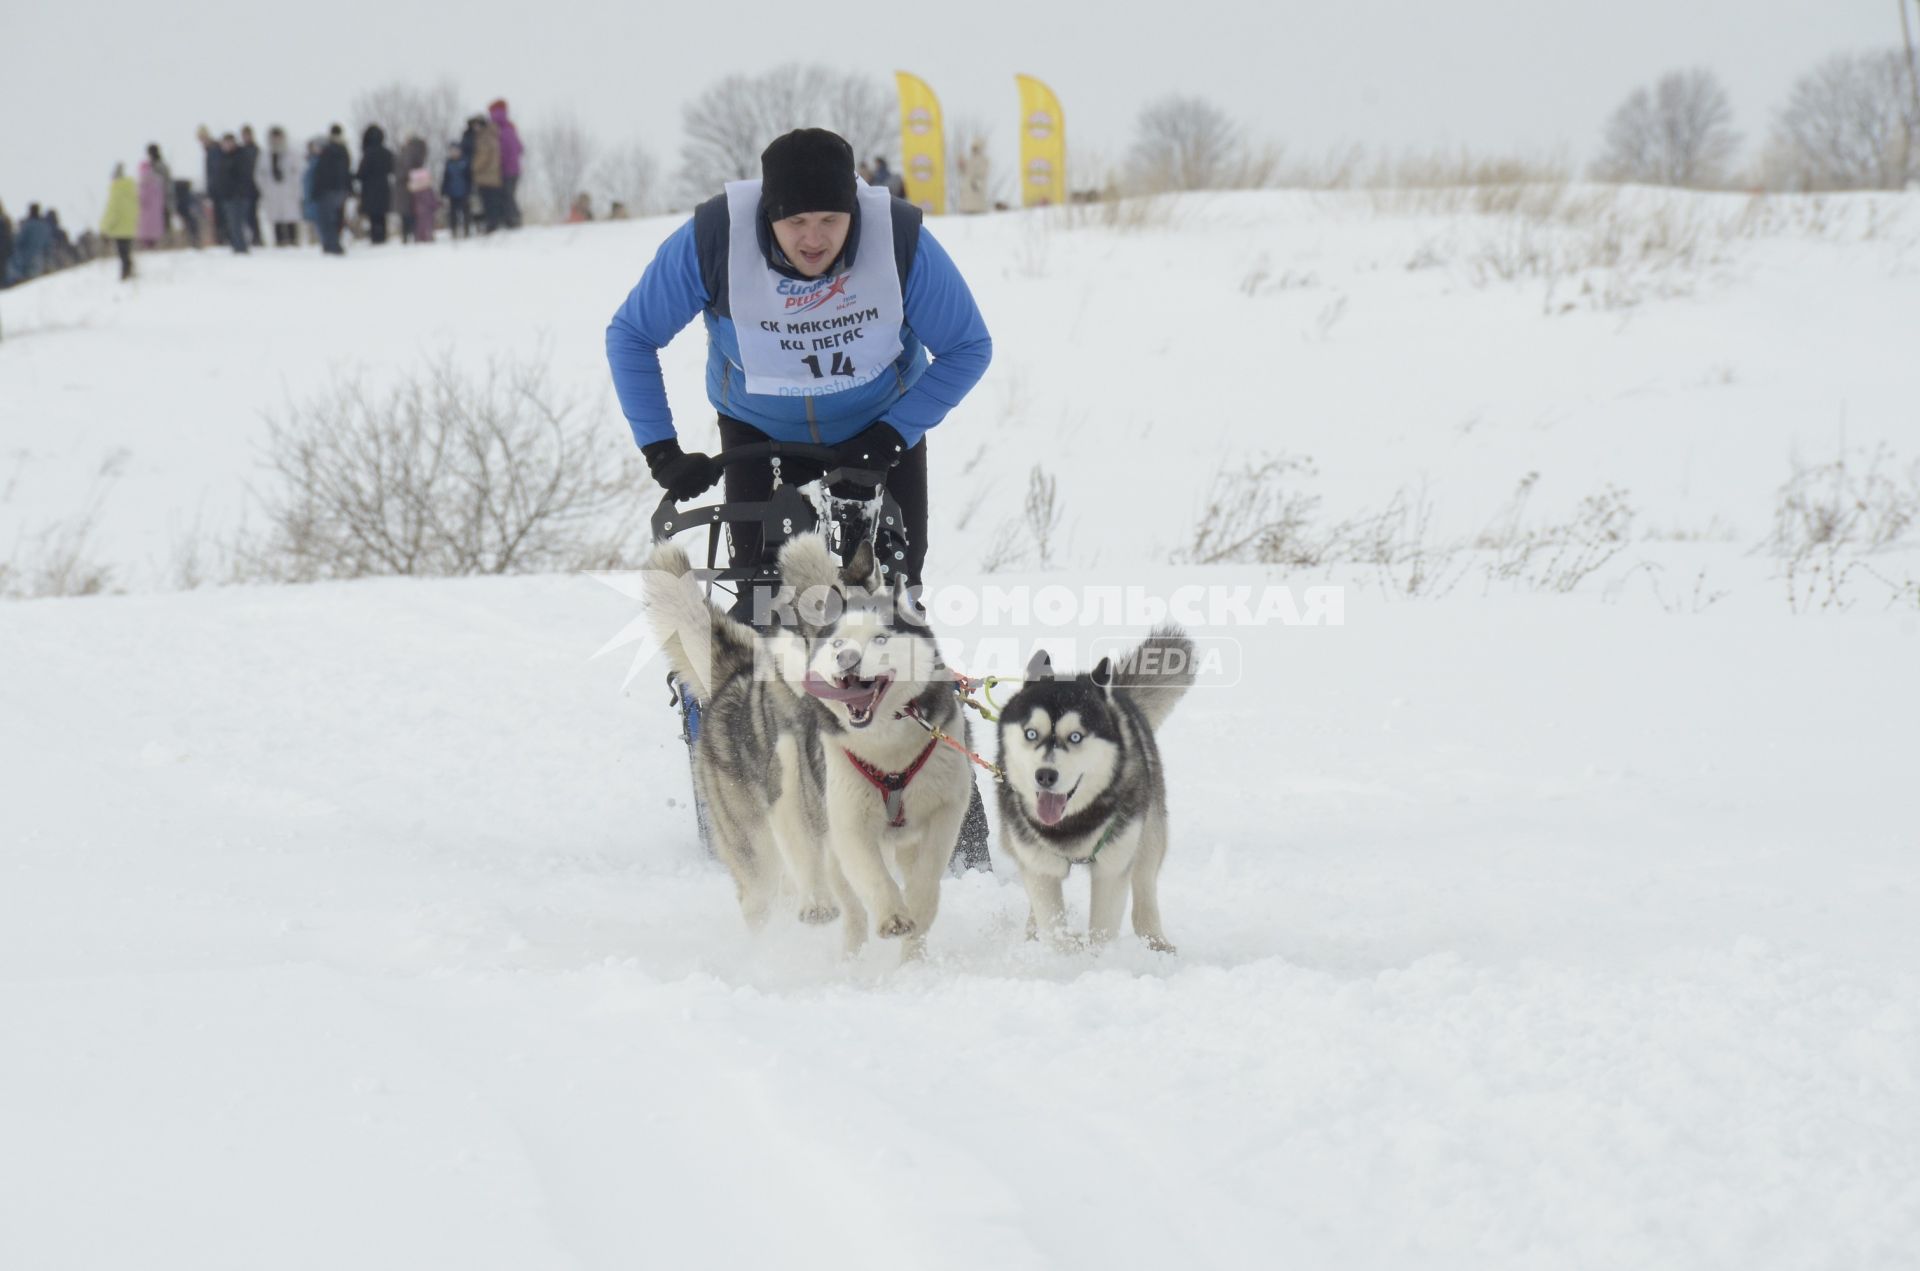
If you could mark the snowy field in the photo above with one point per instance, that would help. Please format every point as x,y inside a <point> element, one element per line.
<point>363,924</point>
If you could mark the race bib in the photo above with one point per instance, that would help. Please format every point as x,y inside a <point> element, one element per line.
<point>807,337</point>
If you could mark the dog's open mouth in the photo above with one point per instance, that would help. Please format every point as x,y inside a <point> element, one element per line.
<point>1051,805</point>
<point>861,697</point>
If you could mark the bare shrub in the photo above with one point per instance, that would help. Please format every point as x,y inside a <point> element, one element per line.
<point>1030,537</point>
<point>1699,598</point>
<point>560,154</point>
<point>629,175</point>
<point>1258,514</point>
<point>1329,317</point>
<point>1828,516</point>
<point>1183,143</point>
<point>1409,556</point>
<point>1681,133</point>
<point>1600,250</point>
<point>56,561</point>
<point>1848,125</point>
<point>1557,556</point>
<point>1115,210</point>
<point>443,474</point>
<point>729,124</point>
<point>1043,513</point>
<point>1858,500</point>
<point>1263,514</point>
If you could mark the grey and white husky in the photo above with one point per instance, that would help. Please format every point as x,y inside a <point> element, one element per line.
<point>816,775</point>
<point>1084,785</point>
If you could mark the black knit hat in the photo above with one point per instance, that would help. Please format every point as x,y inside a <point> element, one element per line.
<point>808,170</point>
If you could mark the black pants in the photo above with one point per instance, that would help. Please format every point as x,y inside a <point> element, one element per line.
<point>753,482</point>
<point>125,246</point>
<point>236,210</point>
<point>459,218</point>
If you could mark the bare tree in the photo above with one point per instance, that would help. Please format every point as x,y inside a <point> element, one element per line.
<point>1847,123</point>
<point>628,174</point>
<point>403,110</point>
<point>1679,134</point>
<point>729,124</point>
<point>560,154</point>
<point>1183,143</point>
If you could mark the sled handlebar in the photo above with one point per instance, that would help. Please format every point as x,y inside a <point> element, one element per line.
<point>826,456</point>
<point>670,518</point>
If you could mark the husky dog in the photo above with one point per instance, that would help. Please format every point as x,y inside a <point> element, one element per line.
<point>758,768</point>
<point>895,795</point>
<point>1084,785</point>
<point>816,743</point>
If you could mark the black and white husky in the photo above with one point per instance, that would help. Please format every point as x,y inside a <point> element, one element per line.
<point>1084,785</point>
<point>815,760</point>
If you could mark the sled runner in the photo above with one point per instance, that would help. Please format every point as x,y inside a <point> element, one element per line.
<point>792,509</point>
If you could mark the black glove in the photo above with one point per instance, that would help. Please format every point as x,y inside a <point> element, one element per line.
<point>681,475</point>
<point>876,448</point>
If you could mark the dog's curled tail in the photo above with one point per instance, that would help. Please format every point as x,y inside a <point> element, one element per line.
<point>705,646</point>
<point>1158,673</point>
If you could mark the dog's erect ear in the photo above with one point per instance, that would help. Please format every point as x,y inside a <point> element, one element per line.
<point>1103,676</point>
<point>859,571</point>
<point>1039,666</point>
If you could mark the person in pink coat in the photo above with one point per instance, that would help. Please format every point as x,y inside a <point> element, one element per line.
<point>153,206</point>
<point>511,155</point>
<point>425,202</point>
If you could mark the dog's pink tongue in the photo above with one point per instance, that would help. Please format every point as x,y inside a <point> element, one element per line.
<point>1050,806</point>
<point>832,692</point>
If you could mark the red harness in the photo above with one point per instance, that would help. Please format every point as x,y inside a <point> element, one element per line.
<point>891,784</point>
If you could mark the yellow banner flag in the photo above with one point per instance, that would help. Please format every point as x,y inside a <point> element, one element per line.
<point>923,145</point>
<point>1043,145</point>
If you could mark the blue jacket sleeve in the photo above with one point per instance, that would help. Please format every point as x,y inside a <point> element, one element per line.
<point>668,296</point>
<point>941,312</point>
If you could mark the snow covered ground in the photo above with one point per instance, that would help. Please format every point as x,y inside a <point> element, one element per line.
<point>364,924</point>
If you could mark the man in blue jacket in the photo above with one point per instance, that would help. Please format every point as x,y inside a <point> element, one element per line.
<point>823,300</point>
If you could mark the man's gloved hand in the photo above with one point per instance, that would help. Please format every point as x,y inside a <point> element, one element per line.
<point>681,475</point>
<point>877,448</point>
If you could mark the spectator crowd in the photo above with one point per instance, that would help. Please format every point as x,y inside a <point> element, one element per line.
<point>317,195</point>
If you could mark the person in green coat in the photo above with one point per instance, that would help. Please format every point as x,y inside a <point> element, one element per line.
<point>122,220</point>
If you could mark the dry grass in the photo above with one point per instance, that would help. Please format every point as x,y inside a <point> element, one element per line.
<point>1830,517</point>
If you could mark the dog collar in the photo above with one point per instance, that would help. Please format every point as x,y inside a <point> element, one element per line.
<point>1107,836</point>
<point>891,785</point>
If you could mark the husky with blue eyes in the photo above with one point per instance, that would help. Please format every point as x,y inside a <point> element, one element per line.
<point>816,760</point>
<point>1084,785</point>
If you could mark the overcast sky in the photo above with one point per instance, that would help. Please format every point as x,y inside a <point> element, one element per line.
<point>81,88</point>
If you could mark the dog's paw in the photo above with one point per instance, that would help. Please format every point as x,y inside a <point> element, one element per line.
<point>817,915</point>
<point>1160,944</point>
<point>895,926</point>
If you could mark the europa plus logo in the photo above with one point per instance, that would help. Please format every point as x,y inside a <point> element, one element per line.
<point>806,297</point>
